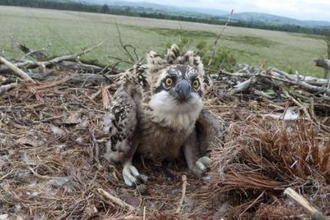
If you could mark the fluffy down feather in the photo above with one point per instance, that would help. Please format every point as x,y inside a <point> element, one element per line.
<point>158,112</point>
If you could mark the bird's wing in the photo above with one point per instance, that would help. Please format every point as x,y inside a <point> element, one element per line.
<point>121,121</point>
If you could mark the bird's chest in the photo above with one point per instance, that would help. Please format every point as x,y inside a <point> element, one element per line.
<point>159,143</point>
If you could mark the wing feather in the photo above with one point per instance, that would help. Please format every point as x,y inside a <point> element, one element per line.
<point>121,122</point>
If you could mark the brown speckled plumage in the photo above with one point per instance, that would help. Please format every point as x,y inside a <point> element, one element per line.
<point>156,112</point>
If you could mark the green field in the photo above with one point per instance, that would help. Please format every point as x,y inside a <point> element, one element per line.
<point>69,32</point>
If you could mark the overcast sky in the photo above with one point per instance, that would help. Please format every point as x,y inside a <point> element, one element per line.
<point>299,9</point>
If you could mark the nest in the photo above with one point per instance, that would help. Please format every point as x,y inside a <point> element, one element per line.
<point>51,147</point>
<point>264,156</point>
<point>51,163</point>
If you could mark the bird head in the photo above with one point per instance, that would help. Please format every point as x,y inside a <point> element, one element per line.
<point>177,83</point>
<point>178,90</point>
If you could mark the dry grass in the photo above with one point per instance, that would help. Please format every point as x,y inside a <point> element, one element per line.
<point>68,32</point>
<point>263,157</point>
<point>49,168</point>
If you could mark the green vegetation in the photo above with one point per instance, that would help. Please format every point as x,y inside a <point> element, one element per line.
<point>148,12</point>
<point>69,32</point>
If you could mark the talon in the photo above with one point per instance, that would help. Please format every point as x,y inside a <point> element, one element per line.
<point>132,176</point>
<point>201,165</point>
<point>205,160</point>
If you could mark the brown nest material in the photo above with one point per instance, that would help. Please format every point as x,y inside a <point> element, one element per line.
<point>261,158</point>
<point>51,164</point>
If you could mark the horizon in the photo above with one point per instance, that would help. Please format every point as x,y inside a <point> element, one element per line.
<point>305,10</point>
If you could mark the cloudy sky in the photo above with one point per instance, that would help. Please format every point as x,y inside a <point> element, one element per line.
<point>299,9</point>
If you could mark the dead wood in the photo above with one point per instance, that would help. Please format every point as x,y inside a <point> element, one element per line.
<point>15,69</point>
<point>323,63</point>
<point>30,64</point>
<point>315,214</point>
<point>76,78</point>
<point>217,40</point>
<point>36,54</point>
<point>5,88</point>
<point>52,146</point>
<point>115,200</point>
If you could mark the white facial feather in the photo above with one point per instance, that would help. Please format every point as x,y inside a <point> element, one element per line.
<point>170,113</point>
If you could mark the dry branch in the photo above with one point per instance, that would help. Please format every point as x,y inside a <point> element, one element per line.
<point>29,64</point>
<point>16,69</point>
<point>316,215</point>
<point>80,78</point>
<point>218,38</point>
<point>184,186</point>
<point>5,88</point>
<point>261,157</point>
<point>115,200</point>
<point>37,54</point>
<point>321,62</point>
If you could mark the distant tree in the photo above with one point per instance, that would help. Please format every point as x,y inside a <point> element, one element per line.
<point>105,9</point>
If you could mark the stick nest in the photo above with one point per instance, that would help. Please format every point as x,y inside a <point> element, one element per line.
<point>262,157</point>
<point>51,164</point>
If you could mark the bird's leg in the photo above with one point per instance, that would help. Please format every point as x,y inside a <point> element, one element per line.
<point>131,175</point>
<point>201,165</point>
<point>197,164</point>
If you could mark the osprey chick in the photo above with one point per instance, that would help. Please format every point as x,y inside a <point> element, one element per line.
<point>158,112</point>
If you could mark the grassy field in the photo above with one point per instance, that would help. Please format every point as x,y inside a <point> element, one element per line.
<point>69,32</point>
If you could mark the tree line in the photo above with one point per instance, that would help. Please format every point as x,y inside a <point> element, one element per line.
<point>151,13</point>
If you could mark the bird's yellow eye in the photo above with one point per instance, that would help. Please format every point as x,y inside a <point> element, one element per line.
<point>168,82</point>
<point>196,84</point>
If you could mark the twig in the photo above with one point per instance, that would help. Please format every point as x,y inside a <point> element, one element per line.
<point>33,64</point>
<point>254,202</point>
<point>298,104</point>
<point>317,215</point>
<point>37,54</point>
<point>217,39</point>
<point>144,213</point>
<point>293,80</point>
<point>81,78</point>
<point>96,147</point>
<point>126,45</point>
<point>7,174</point>
<point>116,200</point>
<point>5,88</point>
<point>16,70</point>
<point>41,176</point>
<point>184,186</point>
<point>243,86</point>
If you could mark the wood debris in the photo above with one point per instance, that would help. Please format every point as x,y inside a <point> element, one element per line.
<point>52,146</point>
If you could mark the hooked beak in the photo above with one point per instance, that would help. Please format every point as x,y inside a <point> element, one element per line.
<point>183,90</point>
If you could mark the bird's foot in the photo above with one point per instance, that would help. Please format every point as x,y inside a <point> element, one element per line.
<point>132,176</point>
<point>201,165</point>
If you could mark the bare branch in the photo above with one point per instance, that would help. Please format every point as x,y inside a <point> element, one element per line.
<point>7,87</point>
<point>49,63</point>
<point>16,70</point>
<point>315,214</point>
<point>184,186</point>
<point>115,200</point>
<point>324,63</point>
<point>125,46</point>
<point>217,39</point>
